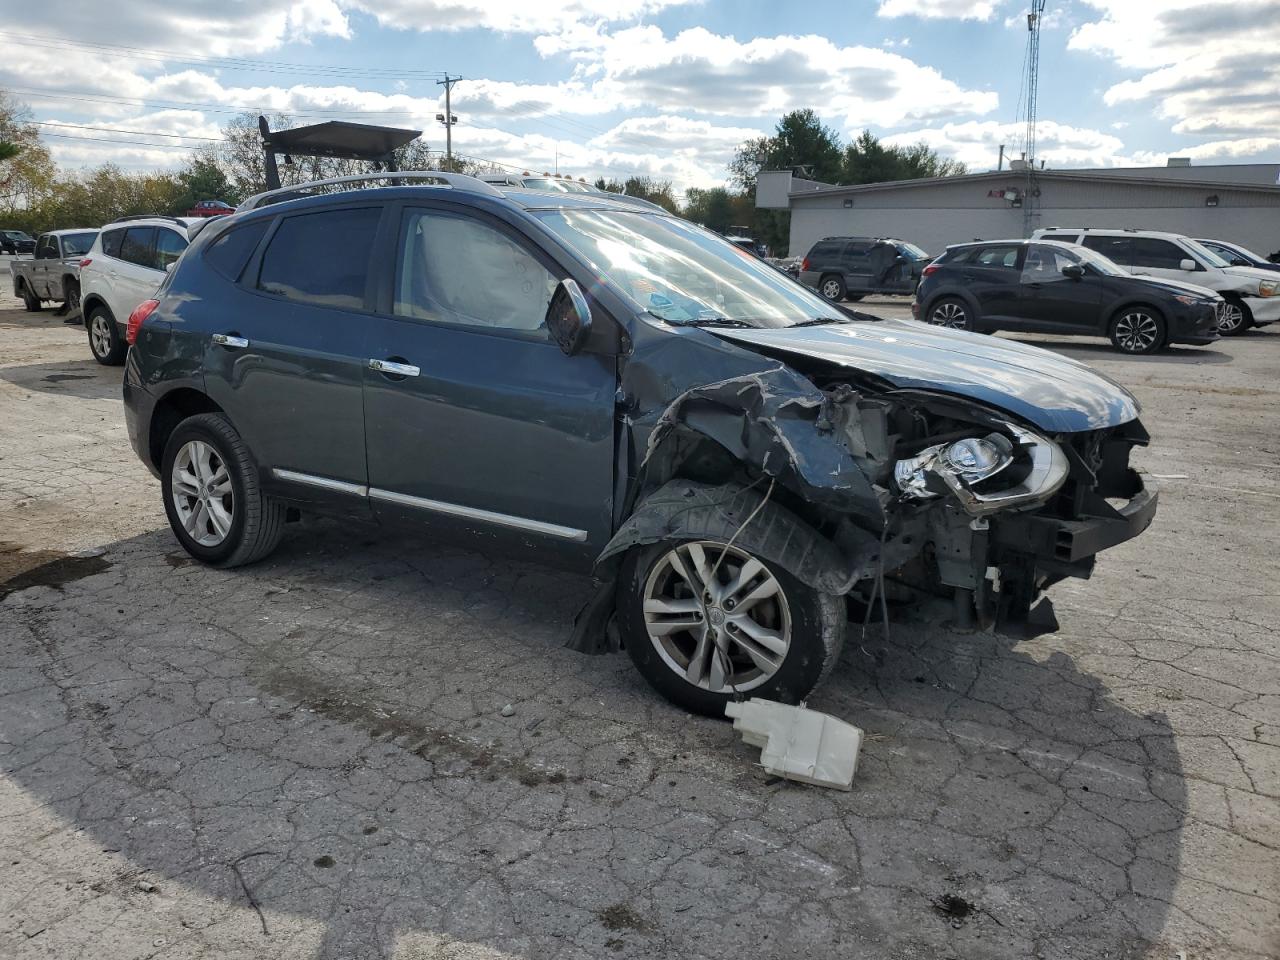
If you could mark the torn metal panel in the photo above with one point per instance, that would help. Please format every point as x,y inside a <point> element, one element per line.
<point>777,422</point>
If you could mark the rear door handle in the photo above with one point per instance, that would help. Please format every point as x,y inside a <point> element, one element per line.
<point>228,340</point>
<point>393,368</point>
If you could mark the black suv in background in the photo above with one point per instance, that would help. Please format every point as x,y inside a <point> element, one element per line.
<point>16,241</point>
<point>1051,287</point>
<point>849,268</point>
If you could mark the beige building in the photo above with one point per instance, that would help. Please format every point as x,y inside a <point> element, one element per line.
<point>1233,202</point>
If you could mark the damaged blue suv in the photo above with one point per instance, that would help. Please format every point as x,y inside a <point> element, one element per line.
<point>618,390</point>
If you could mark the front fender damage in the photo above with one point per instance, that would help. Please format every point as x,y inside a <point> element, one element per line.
<point>821,447</point>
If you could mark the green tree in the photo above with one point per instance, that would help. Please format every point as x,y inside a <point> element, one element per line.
<point>718,208</point>
<point>27,172</point>
<point>868,160</point>
<point>646,188</point>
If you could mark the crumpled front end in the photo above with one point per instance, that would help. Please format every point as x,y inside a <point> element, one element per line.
<point>939,492</point>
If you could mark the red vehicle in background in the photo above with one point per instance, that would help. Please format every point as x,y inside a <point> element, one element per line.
<point>210,208</point>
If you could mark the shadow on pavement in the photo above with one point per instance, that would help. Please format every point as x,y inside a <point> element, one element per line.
<point>322,732</point>
<point>86,379</point>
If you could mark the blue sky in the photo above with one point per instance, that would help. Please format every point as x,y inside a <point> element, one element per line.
<point>659,87</point>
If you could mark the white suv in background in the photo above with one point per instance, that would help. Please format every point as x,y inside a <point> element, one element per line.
<point>1252,295</point>
<point>123,268</point>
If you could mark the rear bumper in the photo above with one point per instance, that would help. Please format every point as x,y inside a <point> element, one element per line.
<point>139,404</point>
<point>1265,310</point>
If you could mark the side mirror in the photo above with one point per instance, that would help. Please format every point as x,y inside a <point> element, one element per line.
<point>1073,270</point>
<point>1187,264</point>
<point>569,316</point>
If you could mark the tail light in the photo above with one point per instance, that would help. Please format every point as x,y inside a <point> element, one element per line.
<point>85,262</point>
<point>931,268</point>
<point>804,265</point>
<point>136,319</point>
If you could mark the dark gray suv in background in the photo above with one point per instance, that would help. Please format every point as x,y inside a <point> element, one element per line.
<point>627,393</point>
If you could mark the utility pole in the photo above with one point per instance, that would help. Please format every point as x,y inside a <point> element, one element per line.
<point>447,118</point>
<point>1031,192</point>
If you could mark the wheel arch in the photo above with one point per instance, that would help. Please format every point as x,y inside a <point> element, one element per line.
<point>169,411</point>
<point>1130,304</point>
<point>954,293</point>
<point>88,302</point>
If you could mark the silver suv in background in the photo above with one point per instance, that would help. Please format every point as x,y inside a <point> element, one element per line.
<point>1252,295</point>
<point>125,265</point>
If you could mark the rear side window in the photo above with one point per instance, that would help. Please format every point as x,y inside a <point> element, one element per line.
<point>321,258</point>
<point>826,250</point>
<point>1116,249</point>
<point>1150,252</point>
<point>1064,237</point>
<point>137,244</point>
<point>169,247</point>
<point>999,256</point>
<point>229,254</point>
<point>111,240</point>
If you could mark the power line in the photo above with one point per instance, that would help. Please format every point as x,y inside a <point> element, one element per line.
<point>141,133</point>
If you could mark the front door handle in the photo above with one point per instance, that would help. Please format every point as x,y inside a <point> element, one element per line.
<point>394,368</point>
<point>229,340</point>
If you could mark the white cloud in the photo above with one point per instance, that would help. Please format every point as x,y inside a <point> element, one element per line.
<point>977,143</point>
<point>939,9</point>
<point>516,16</point>
<point>1208,68</point>
<point>700,71</point>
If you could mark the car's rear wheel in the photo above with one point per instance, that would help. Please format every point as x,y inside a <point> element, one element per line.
<point>29,299</point>
<point>105,342</point>
<point>1236,318</point>
<point>1137,330</point>
<point>706,623</point>
<point>73,297</point>
<point>832,287</point>
<point>212,494</point>
<point>951,312</point>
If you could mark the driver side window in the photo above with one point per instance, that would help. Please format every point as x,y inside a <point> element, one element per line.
<point>458,270</point>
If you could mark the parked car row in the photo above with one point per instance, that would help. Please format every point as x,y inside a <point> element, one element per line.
<point>1142,289</point>
<point>620,390</point>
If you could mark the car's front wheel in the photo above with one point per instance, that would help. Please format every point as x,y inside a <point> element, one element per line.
<point>1236,318</point>
<point>951,312</point>
<point>105,342</point>
<point>832,287</point>
<point>1137,330</point>
<point>212,495</point>
<point>706,623</point>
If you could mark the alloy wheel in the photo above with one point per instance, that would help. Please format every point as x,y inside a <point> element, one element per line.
<point>1231,318</point>
<point>1137,332</point>
<point>949,314</point>
<point>100,334</point>
<point>717,616</point>
<point>202,493</point>
<point>831,290</point>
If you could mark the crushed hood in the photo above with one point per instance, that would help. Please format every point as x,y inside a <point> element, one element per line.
<point>1253,273</point>
<point>1052,392</point>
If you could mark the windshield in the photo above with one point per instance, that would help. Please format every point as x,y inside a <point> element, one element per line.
<point>16,235</point>
<point>683,274</point>
<point>1104,265</point>
<point>1205,253</point>
<point>912,251</point>
<point>75,244</point>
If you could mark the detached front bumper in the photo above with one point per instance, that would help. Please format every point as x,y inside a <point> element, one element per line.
<point>1265,310</point>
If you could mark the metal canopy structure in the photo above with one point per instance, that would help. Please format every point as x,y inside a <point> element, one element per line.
<point>333,138</point>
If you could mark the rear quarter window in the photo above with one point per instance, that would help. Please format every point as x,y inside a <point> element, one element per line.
<point>111,241</point>
<point>1064,237</point>
<point>826,250</point>
<point>230,253</point>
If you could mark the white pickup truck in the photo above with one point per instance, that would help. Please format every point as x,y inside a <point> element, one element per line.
<point>53,273</point>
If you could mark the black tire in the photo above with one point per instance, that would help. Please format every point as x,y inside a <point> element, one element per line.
<point>29,299</point>
<point>257,521</point>
<point>105,342</point>
<point>72,291</point>
<point>1138,330</point>
<point>831,286</point>
<point>817,629</point>
<point>950,312</point>
<point>1236,318</point>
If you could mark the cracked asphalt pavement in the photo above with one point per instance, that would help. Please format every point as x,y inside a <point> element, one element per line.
<point>309,758</point>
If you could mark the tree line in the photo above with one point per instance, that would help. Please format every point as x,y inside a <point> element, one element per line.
<point>35,195</point>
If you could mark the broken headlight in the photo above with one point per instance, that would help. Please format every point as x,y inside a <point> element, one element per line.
<point>963,468</point>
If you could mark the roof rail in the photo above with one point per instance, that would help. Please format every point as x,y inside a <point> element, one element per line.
<point>458,181</point>
<point>148,216</point>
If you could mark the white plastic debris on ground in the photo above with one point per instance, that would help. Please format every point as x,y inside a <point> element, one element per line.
<point>798,743</point>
